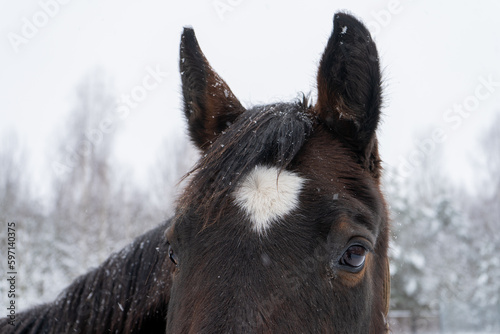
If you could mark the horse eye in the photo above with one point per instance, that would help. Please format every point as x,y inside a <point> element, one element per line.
<point>172,255</point>
<point>354,257</point>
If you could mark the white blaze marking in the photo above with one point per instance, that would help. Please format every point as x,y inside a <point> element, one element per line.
<point>266,194</point>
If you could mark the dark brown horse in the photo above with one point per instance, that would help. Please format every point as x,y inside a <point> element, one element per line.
<point>282,227</point>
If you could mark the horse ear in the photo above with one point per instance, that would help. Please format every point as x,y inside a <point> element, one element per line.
<point>209,104</point>
<point>349,89</point>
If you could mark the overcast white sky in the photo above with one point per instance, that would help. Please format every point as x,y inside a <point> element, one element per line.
<point>435,56</point>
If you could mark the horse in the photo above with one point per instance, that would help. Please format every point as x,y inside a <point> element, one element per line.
<point>282,227</point>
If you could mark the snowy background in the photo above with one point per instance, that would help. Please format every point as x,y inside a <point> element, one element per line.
<point>89,153</point>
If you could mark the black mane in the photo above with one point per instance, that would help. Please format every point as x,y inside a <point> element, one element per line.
<point>269,135</point>
<point>128,293</point>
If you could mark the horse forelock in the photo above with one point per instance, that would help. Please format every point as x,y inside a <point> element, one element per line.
<point>269,136</point>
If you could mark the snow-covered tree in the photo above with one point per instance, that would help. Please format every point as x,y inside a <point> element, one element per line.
<point>445,242</point>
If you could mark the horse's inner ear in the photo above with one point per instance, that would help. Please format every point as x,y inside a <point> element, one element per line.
<point>349,92</point>
<point>209,104</point>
